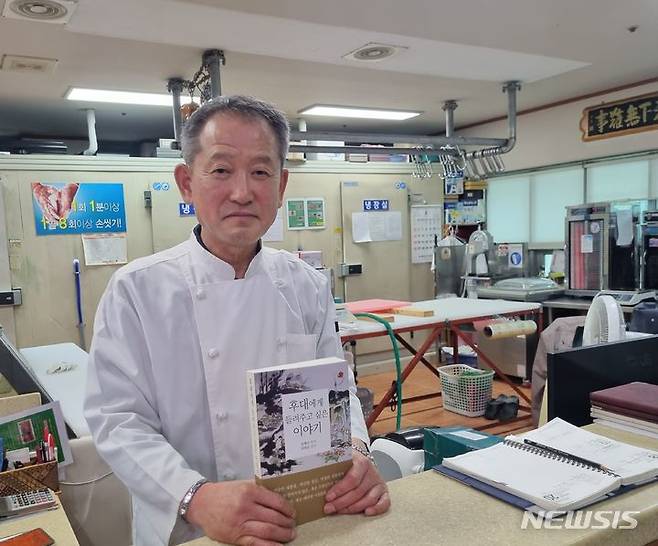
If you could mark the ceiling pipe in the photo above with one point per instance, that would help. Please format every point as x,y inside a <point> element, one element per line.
<point>385,138</point>
<point>212,59</point>
<point>494,146</point>
<point>449,108</point>
<point>175,87</point>
<point>91,131</point>
<point>510,88</point>
<point>309,148</point>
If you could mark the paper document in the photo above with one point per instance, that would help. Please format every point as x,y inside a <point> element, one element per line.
<point>557,261</point>
<point>105,248</point>
<point>632,463</point>
<point>425,226</point>
<point>275,233</point>
<point>376,226</point>
<point>624,227</point>
<point>586,244</point>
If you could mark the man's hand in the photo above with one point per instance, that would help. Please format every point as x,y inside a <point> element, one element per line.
<point>361,490</point>
<point>241,512</point>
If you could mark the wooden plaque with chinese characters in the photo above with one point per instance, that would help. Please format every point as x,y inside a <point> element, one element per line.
<point>622,117</point>
<point>301,430</point>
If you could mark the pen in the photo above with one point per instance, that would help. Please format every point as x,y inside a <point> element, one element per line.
<point>570,456</point>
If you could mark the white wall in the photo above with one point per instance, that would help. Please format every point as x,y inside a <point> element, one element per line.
<point>553,136</point>
<point>42,265</point>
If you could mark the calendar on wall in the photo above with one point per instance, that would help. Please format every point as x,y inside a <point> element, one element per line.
<point>425,225</point>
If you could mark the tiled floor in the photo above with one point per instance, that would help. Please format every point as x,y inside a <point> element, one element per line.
<point>430,411</point>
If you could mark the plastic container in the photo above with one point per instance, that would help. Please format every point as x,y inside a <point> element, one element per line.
<point>465,390</point>
<point>466,356</point>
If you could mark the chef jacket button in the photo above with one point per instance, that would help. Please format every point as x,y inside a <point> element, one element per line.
<point>229,475</point>
<point>279,283</point>
<point>200,294</point>
<point>213,353</point>
<point>222,415</point>
<point>280,341</point>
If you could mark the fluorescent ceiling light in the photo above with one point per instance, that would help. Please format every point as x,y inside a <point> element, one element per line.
<point>123,97</point>
<point>351,112</point>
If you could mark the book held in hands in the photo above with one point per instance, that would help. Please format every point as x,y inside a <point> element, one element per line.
<point>301,430</point>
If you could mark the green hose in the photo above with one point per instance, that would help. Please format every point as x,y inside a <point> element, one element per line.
<point>398,367</point>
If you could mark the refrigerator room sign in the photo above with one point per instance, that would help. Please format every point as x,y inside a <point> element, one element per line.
<point>62,208</point>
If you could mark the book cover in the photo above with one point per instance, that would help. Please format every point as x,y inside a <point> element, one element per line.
<point>301,430</point>
<point>637,397</point>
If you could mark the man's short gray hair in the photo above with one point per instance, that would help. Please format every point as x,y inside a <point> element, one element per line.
<point>239,105</point>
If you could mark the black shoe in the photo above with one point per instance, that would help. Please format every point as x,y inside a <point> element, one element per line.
<point>509,409</point>
<point>493,407</point>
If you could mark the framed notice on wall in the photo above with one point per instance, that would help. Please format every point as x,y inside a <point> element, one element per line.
<point>305,213</point>
<point>622,117</point>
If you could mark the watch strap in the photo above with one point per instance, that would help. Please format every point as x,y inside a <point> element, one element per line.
<point>184,505</point>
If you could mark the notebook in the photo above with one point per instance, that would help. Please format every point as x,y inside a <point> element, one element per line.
<point>557,482</point>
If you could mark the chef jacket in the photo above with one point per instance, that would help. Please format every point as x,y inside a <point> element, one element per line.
<point>166,396</point>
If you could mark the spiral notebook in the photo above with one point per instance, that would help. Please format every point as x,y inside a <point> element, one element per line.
<point>558,482</point>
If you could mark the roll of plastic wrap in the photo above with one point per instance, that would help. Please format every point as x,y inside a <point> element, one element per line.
<point>510,328</point>
<point>480,325</point>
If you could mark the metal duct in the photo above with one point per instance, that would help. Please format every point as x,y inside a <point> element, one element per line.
<point>510,88</point>
<point>91,130</point>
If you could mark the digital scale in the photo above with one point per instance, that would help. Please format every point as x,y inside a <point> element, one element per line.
<point>629,298</point>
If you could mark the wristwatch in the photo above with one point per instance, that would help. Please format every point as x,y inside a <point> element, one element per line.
<point>364,451</point>
<point>184,505</point>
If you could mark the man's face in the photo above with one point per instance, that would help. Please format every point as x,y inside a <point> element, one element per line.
<point>236,182</point>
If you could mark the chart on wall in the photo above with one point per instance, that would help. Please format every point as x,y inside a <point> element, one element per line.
<point>425,226</point>
<point>65,208</point>
<point>305,213</point>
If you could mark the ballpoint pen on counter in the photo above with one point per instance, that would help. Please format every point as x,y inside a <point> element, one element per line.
<point>570,456</point>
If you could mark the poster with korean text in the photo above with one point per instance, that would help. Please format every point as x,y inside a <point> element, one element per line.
<point>62,208</point>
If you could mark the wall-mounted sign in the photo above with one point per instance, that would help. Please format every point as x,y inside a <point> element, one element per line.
<point>186,209</point>
<point>296,212</point>
<point>62,208</point>
<point>370,205</point>
<point>306,213</point>
<point>622,117</point>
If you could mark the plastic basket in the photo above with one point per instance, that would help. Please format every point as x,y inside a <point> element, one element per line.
<point>465,394</point>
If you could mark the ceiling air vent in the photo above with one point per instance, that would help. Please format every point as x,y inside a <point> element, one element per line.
<point>374,52</point>
<point>44,11</point>
<point>28,65</point>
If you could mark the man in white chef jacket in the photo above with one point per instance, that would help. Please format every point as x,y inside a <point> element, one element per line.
<point>175,332</point>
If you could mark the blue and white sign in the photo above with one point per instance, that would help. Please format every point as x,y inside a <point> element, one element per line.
<point>186,209</point>
<point>370,205</point>
<point>62,208</point>
<point>160,186</point>
<point>515,256</point>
